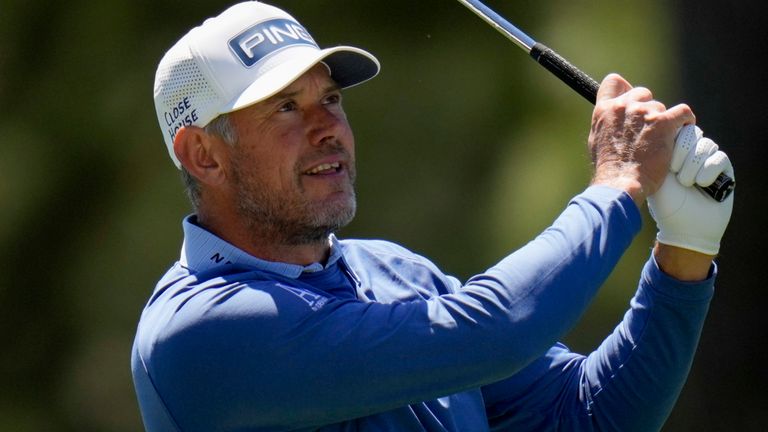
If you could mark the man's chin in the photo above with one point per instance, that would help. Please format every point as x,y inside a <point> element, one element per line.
<point>338,217</point>
<point>338,208</point>
<point>327,220</point>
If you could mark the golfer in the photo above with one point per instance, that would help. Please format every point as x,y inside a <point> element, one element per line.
<point>269,322</point>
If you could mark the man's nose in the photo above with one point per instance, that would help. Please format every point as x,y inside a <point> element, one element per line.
<point>324,124</point>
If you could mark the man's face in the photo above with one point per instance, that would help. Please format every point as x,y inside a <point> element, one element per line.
<point>293,166</point>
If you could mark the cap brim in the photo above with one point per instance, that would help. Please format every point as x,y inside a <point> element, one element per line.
<point>349,66</point>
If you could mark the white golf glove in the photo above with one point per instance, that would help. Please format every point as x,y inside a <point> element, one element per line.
<point>685,216</point>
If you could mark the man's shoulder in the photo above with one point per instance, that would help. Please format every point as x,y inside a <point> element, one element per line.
<point>181,294</point>
<point>379,262</point>
<point>181,279</point>
<point>223,303</point>
<point>378,247</point>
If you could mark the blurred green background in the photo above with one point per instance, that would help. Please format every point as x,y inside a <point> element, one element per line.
<point>466,150</point>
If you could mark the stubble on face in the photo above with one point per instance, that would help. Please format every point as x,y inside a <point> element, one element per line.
<point>290,217</point>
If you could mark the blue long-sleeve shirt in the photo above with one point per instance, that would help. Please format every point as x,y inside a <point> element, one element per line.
<point>379,339</point>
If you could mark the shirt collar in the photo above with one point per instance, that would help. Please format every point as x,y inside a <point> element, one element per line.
<point>203,250</point>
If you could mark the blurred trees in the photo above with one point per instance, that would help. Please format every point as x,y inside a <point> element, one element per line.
<point>466,149</point>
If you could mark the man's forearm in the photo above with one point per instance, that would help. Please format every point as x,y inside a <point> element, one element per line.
<point>630,383</point>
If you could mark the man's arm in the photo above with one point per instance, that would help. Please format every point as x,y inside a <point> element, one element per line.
<point>633,379</point>
<point>630,383</point>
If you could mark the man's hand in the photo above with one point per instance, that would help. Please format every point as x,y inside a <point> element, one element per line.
<point>632,137</point>
<point>685,216</point>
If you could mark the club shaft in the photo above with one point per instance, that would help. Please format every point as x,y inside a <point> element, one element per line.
<point>499,23</point>
<point>570,75</point>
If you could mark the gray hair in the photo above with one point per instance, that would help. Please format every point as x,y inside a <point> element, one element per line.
<point>221,127</point>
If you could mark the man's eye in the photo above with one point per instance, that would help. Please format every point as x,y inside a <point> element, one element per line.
<point>333,99</point>
<point>288,106</point>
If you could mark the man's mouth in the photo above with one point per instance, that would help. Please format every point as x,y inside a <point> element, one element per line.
<point>326,168</point>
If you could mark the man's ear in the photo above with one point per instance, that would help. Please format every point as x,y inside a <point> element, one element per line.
<point>201,154</point>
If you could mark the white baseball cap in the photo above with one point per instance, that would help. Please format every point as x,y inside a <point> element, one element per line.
<point>248,53</point>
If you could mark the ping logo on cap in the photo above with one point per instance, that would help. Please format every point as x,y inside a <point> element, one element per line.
<point>262,39</point>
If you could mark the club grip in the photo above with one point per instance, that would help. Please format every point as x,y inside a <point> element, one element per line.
<point>720,189</point>
<point>587,87</point>
<point>568,73</point>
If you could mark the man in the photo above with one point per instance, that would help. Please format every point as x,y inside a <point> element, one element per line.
<point>269,322</point>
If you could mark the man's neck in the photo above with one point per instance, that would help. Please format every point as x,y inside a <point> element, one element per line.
<point>305,254</point>
<point>264,243</point>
